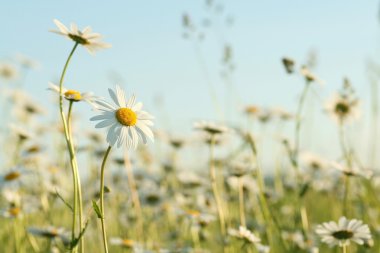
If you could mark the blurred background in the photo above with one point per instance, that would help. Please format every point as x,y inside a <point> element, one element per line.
<point>193,60</point>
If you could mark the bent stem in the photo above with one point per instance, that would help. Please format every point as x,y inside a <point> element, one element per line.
<point>102,199</point>
<point>73,161</point>
<point>215,187</point>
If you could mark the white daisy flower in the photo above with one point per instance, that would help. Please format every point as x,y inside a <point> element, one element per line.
<point>86,37</point>
<point>343,232</point>
<point>343,108</point>
<point>75,96</point>
<point>353,170</point>
<point>244,234</point>
<point>210,127</point>
<point>126,121</point>
<point>309,76</point>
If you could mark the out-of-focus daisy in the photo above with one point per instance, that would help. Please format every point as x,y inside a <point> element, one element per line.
<point>126,121</point>
<point>309,76</point>
<point>210,127</point>
<point>313,161</point>
<point>12,211</point>
<point>244,234</point>
<point>125,243</point>
<point>51,233</point>
<point>22,133</point>
<point>288,64</point>
<point>352,171</point>
<point>26,62</point>
<point>343,232</point>
<point>7,71</point>
<point>88,39</point>
<point>343,108</point>
<point>75,96</point>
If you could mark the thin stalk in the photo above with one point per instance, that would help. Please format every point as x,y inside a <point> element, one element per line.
<point>68,142</point>
<point>344,248</point>
<point>241,202</point>
<point>135,195</point>
<point>347,158</point>
<point>102,199</point>
<point>298,119</point>
<point>77,177</point>
<point>215,188</point>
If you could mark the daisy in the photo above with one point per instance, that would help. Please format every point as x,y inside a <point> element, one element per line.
<point>210,127</point>
<point>86,37</point>
<point>343,232</point>
<point>7,71</point>
<point>125,243</point>
<point>75,96</point>
<point>343,108</point>
<point>288,64</point>
<point>352,171</point>
<point>309,76</point>
<point>126,121</point>
<point>51,233</point>
<point>244,234</point>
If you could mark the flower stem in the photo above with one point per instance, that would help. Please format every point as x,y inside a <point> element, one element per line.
<point>344,248</point>
<point>73,161</point>
<point>215,188</point>
<point>102,199</point>
<point>77,177</point>
<point>347,157</point>
<point>135,196</point>
<point>241,202</point>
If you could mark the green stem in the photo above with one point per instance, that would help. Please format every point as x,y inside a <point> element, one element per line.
<point>241,202</point>
<point>344,248</point>
<point>215,188</point>
<point>298,119</point>
<point>68,142</point>
<point>102,199</point>
<point>348,160</point>
<point>77,177</point>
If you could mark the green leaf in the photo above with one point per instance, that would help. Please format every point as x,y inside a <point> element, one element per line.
<point>97,209</point>
<point>63,200</point>
<point>75,241</point>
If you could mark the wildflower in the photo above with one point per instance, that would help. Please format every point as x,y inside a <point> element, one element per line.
<point>313,161</point>
<point>75,96</point>
<point>51,233</point>
<point>352,171</point>
<point>86,37</point>
<point>126,120</point>
<point>210,127</point>
<point>26,62</point>
<point>343,108</point>
<point>251,110</point>
<point>7,71</point>
<point>12,211</point>
<point>125,243</point>
<point>288,64</point>
<point>343,232</point>
<point>309,76</point>
<point>244,234</point>
<point>22,133</point>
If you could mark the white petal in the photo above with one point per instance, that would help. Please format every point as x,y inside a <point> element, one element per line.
<point>120,96</point>
<point>114,97</point>
<point>61,26</point>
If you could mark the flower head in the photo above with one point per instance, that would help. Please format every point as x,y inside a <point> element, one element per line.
<point>125,119</point>
<point>288,64</point>
<point>244,234</point>
<point>343,232</point>
<point>210,127</point>
<point>343,108</point>
<point>86,37</point>
<point>75,96</point>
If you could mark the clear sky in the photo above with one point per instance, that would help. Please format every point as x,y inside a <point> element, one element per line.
<point>150,58</point>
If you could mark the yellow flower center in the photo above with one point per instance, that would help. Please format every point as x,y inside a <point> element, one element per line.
<point>126,116</point>
<point>73,95</point>
<point>12,176</point>
<point>14,211</point>
<point>127,243</point>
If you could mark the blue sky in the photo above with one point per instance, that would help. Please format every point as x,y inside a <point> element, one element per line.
<point>152,60</point>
